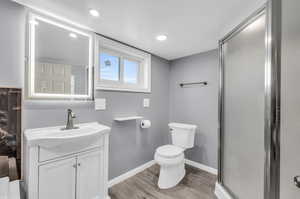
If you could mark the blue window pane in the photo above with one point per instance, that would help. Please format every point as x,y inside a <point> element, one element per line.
<point>109,67</point>
<point>131,70</point>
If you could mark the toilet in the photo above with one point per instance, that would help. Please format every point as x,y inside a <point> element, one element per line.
<point>171,157</point>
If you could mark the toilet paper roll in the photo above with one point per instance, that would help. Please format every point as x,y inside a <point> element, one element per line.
<point>145,124</point>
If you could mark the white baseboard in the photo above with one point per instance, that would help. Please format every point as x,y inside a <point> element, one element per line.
<point>130,173</point>
<point>221,193</point>
<point>202,166</point>
<point>141,168</point>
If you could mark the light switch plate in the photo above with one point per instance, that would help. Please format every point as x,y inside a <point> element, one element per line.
<point>100,104</point>
<point>146,103</point>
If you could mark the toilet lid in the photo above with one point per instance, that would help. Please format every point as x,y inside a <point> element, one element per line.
<point>169,151</point>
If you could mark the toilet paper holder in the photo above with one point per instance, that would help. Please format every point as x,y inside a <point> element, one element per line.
<point>145,124</point>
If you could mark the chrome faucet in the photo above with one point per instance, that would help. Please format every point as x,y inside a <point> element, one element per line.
<point>70,123</point>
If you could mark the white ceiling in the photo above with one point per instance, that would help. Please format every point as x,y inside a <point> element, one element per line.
<point>192,26</point>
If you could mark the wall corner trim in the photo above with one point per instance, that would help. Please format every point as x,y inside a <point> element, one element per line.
<point>202,167</point>
<point>130,173</point>
<point>221,193</point>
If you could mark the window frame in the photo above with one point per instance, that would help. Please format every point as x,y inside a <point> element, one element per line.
<point>124,52</point>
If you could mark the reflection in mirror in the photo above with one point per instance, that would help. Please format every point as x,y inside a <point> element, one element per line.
<point>60,60</point>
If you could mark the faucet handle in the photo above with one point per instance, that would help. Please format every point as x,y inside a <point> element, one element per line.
<point>73,115</point>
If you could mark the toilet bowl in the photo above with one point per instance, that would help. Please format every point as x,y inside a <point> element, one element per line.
<point>171,157</point>
<point>171,161</point>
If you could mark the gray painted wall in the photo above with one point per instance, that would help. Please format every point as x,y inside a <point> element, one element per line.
<point>129,145</point>
<point>12,44</point>
<point>197,104</point>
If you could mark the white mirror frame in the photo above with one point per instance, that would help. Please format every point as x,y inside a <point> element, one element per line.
<point>31,61</point>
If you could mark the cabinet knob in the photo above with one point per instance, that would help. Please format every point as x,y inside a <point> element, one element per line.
<point>79,164</point>
<point>74,166</point>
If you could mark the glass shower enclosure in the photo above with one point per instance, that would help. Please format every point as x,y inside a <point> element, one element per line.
<point>247,100</point>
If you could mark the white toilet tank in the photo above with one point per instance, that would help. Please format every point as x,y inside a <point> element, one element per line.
<point>183,135</point>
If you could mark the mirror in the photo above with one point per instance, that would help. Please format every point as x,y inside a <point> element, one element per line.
<point>60,60</point>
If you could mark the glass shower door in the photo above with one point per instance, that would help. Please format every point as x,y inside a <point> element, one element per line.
<point>243,108</point>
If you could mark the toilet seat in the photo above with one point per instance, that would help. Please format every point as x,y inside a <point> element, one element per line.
<point>169,151</point>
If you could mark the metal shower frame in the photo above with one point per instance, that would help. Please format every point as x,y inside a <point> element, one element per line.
<point>272,10</point>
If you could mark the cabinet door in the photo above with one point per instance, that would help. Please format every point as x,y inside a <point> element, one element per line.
<point>90,176</point>
<point>57,180</point>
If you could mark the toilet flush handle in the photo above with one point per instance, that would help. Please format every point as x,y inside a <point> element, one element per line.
<point>297,181</point>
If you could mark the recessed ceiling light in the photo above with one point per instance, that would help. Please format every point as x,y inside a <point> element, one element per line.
<point>94,13</point>
<point>161,37</point>
<point>73,35</point>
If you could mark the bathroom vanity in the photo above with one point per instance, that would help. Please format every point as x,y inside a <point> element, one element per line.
<point>67,164</point>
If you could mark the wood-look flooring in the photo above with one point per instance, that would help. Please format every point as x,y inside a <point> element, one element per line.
<point>197,184</point>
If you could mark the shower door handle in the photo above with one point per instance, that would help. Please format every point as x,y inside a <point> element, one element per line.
<point>297,181</point>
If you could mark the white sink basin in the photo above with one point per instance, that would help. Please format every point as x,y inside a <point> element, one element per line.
<point>55,138</point>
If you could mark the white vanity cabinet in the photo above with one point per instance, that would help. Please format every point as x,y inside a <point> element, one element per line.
<point>89,175</point>
<point>59,176</point>
<point>70,164</point>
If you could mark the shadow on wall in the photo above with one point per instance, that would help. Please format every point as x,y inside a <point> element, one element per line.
<point>133,130</point>
<point>199,151</point>
<point>132,144</point>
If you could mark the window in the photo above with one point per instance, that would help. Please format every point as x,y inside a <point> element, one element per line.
<point>109,67</point>
<point>121,68</point>
<point>131,71</point>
